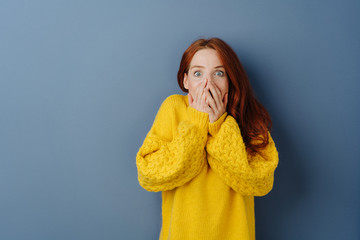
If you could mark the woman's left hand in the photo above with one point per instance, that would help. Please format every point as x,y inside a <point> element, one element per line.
<point>217,105</point>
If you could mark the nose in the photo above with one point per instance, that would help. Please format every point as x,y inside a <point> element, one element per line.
<point>210,80</point>
<point>207,77</point>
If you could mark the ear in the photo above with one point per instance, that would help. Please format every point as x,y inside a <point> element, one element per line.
<point>185,81</point>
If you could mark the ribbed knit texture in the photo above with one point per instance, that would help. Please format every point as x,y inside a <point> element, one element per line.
<point>208,181</point>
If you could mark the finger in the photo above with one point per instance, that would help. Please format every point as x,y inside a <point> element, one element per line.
<point>216,88</point>
<point>204,98</point>
<point>207,105</point>
<point>203,103</point>
<point>209,108</point>
<point>211,102</point>
<point>199,91</point>
<point>216,93</point>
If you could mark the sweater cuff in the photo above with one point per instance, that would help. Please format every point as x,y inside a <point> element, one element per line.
<point>215,126</point>
<point>201,119</point>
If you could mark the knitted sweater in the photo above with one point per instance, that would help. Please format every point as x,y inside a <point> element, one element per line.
<point>207,179</point>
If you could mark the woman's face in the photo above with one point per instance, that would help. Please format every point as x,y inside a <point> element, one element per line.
<point>204,65</point>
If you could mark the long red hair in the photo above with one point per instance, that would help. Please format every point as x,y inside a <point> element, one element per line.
<point>252,117</point>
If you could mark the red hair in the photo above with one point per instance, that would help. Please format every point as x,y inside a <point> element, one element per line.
<point>252,117</point>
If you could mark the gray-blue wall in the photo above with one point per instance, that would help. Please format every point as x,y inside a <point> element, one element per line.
<point>81,82</point>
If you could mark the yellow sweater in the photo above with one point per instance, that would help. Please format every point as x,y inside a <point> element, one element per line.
<point>207,179</point>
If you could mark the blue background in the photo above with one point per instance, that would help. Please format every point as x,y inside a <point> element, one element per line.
<point>81,82</point>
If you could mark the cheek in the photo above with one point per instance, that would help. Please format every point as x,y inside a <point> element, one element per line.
<point>193,85</point>
<point>192,89</point>
<point>226,85</point>
<point>226,88</point>
<point>223,86</point>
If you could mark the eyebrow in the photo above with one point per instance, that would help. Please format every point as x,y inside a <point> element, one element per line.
<point>198,66</point>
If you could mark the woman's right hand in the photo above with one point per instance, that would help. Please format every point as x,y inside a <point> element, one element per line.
<point>199,100</point>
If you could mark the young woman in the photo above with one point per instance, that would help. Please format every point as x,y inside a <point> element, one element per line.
<point>210,151</point>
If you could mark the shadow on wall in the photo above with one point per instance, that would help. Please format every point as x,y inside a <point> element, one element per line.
<point>290,182</point>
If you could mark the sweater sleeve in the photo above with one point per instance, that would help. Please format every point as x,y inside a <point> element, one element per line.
<point>227,156</point>
<point>171,155</point>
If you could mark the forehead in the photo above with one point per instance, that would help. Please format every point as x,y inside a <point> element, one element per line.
<point>206,57</point>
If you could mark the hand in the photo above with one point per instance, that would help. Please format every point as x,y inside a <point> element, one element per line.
<point>198,101</point>
<point>217,105</point>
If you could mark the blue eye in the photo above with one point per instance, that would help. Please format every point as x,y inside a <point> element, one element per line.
<point>197,74</point>
<point>219,73</point>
